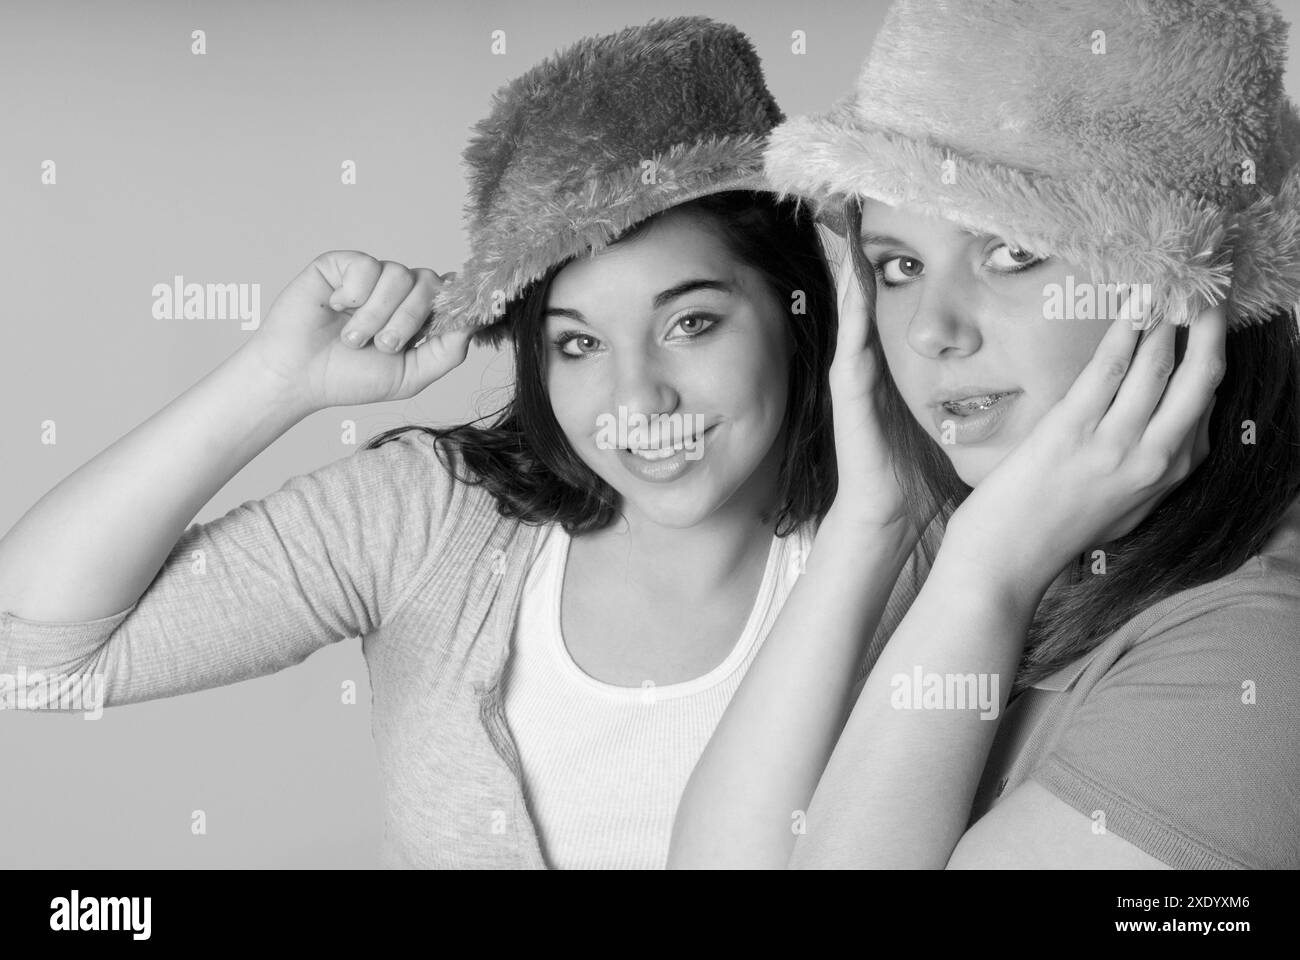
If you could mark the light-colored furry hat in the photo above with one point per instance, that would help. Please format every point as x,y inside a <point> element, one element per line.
<point>1148,140</point>
<point>595,139</point>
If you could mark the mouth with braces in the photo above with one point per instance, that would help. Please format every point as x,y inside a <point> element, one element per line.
<point>964,408</point>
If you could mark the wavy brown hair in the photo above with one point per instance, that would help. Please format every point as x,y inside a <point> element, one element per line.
<point>523,458</point>
<point>1204,529</point>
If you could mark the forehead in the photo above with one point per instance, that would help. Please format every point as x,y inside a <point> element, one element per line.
<point>880,220</point>
<point>673,246</point>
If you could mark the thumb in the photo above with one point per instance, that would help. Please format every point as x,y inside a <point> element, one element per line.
<point>853,322</point>
<point>435,358</point>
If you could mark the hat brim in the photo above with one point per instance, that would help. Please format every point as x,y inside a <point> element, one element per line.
<point>535,225</point>
<point>1190,250</point>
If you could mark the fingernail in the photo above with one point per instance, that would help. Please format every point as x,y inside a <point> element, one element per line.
<point>353,337</point>
<point>387,340</point>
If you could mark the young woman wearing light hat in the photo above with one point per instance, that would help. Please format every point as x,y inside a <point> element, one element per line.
<point>992,152</point>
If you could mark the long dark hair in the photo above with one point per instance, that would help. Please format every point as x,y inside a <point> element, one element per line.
<point>522,457</point>
<point>1208,526</point>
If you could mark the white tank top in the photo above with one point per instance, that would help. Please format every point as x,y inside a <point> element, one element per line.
<point>605,766</point>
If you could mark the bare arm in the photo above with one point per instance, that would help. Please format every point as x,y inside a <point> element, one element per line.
<point>746,799</point>
<point>898,789</point>
<point>90,546</point>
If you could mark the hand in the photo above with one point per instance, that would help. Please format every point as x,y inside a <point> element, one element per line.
<point>304,338</point>
<point>1091,469</point>
<point>868,487</point>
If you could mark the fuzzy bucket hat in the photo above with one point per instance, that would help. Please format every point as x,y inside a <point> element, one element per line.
<point>1148,140</point>
<point>595,139</point>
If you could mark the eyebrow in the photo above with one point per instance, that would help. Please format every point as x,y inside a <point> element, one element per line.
<point>885,240</point>
<point>661,299</point>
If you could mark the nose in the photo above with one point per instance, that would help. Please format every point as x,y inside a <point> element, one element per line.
<point>644,384</point>
<point>946,321</point>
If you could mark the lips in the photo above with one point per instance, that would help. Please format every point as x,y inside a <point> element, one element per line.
<point>964,408</point>
<point>662,453</point>
<point>973,419</point>
<point>966,400</point>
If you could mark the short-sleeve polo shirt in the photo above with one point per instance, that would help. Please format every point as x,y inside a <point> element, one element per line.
<point>1180,733</point>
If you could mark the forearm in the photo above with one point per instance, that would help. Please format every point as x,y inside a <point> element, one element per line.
<point>92,545</point>
<point>898,788</point>
<point>757,773</point>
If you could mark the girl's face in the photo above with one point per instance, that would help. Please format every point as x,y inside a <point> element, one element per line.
<point>962,316</point>
<point>664,341</point>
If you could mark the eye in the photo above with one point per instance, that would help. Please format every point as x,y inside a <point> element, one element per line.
<point>899,270</point>
<point>576,344</point>
<point>694,324</point>
<point>1009,259</point>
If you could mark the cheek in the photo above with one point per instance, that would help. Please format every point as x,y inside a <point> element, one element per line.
<point>574,408</point>
<point>1053,354</point>
<point>904,363</point>
<point>745,373</point>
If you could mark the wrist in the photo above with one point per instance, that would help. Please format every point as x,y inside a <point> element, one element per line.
<point>1006,573</point>
<point>846,525</point>
<point>282,397</point>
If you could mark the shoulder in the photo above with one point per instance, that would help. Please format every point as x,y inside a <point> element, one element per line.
<point>416,466</point>
<point>1245,625</point>
<point>1186,732</point>
<point>405,501</point>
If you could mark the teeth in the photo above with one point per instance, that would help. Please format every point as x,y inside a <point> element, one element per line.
<point>657,453</point>
<point>972,404</point>
<point>649,454</point>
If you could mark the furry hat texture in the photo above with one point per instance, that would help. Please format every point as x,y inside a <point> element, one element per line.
<point>1148,140</point>
<point>595,139</point>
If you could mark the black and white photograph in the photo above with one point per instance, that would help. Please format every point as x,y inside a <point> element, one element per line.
<point>476,436</point>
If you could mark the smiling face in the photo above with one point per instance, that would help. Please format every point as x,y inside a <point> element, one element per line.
<point>667,340</point>
<point>962,315</point>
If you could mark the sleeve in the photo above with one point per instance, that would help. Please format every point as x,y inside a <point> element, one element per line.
<point>1190,743</point>
<point>328,556</point>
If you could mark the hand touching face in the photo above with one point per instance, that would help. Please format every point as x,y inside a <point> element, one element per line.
<point>962,323</point>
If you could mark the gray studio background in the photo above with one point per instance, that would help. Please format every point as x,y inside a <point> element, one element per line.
<point>225,168</point>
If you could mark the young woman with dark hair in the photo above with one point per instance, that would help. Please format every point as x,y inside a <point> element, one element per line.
<point>523,457</point>
<point>555,606</point>
<point>1102,666</point>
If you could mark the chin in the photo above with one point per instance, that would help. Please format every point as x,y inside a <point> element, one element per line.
<point>669,517</point>
<point>972,465</point>
<point>677,509</point>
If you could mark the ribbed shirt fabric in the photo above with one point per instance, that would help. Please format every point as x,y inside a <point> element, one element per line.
<point>605,765</point>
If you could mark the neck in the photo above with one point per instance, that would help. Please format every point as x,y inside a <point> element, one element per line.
<point>703,558</point>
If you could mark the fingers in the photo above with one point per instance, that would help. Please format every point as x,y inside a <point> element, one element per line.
<point>853,320</point>
<point>410,313</point>
<point>1202,448</point>
<point>1142,386</point>
<point>1090,395</point>
<point>1192,386</point>
<point>395,282</point>
<point>357,274</point>
<point>435,356</point>
<point>424,330</point>
<point>1196,447</point>
<point>388,302</point>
